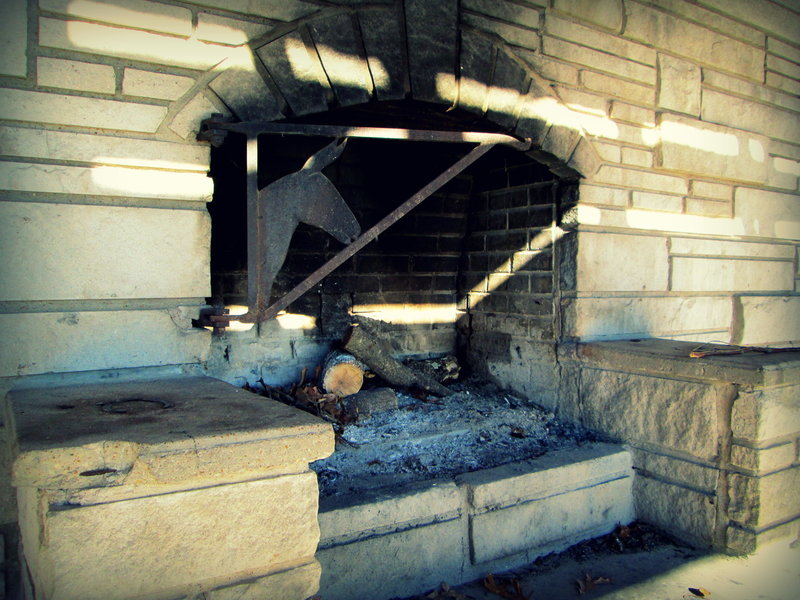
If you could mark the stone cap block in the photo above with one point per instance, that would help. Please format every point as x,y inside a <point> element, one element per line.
<point>160,431</point>
<point>668,357</point>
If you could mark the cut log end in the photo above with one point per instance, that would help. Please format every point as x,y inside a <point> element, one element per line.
<point>342,374</point>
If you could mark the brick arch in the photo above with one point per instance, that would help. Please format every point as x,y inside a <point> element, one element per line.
<point>418,51</point>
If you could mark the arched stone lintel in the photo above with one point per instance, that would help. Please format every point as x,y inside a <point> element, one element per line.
<point>333,60</point>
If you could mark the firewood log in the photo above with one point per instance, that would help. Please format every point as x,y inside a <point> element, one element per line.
<point>342,374</point>
<point>376,354</point>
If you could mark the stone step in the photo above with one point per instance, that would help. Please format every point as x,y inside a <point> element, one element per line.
<point>460,528</point>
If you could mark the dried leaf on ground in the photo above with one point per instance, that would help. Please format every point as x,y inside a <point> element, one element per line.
<point>700,592</point>
<point>588,583</point>
<point>445,592</point>
<point>501,587</point>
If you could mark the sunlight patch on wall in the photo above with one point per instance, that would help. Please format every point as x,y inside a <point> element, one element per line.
<point>409,314</point>
<point>725,144</point>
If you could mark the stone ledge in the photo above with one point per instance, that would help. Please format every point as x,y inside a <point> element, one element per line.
<point>667,357</point>
<point>212,430</point>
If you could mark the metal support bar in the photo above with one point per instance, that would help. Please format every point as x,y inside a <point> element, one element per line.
<point>255,228</point>
<point>372,233</point>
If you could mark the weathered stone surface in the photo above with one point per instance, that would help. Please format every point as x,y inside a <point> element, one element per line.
<point>597,39</point>
<point>585,158</point>
<point>766,500</point>
<point>669,468</point>
<point>122,252</point>
<point>385,48</point>
<point>763,460</point>
<point>651,26</point>
<point>476,71</point>
<point>297,73</point>
<point>432,30</point>
<point>549,475</point>
<point>105,181</point>
<point>622,262</point>
<point>84,341</point>
<point>186,123</point>
<point>700,148</point>
<point>645,158</point>
<point>680,85</point>
<point>210,431</point>
<point>272,9</point>
<point>605,13</point>
<point>720,248</point>
<point>14,39</point>
<point>705,207</point>
<point>621,111</point>
<point>695,274</point>
<point>513,34</point>
<point>139,14</point>
<point>680,510</point>
<point>101,149</point>
<point>74,75</point>
<point>150,84</point>
<point>213,28</point>
<point>594,194</point>
<point>339,46</point>
<point>554,70</point>
<point>505,11</point>
<point>243,90</point>
<point>599,60</point>
<point>144,546</point>
<point>136,44</point>
<point>742,87</point>
<point>40,107</point>
<point>560,141</point>
<point>612,86</point>
<point>768,214</point>
<point>707,189</point>
<point>509,84</point>
<point>576,514</point>
<point>641,180</point>
<point>669,413</point>
<point>727,109</point>
<point>770,16</point>
<point>762,415</point>
<point>299,582</point>
<point>744,540</point>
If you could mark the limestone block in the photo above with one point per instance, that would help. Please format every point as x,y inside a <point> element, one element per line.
<point>771,17</point>
<point>476,71</point>
<point>383,42</point>
<point>186,123</point>
<point>521,15</point>
<point>744,540</point>
<point>578,513</point>
<point>646,180</point>
<point>727,109</point>
<point>561,140</point>
<point>242,88</point>
<point>74,75</point>
<point>40,107</point>
<point>720,248</point>
<point>554,70</point>
<point>432,32</point>
<point>768,214</point>
<point>706,207</point>
<point>294,584</point>
<point>599,40</point>
<point>707,189</point>
<point>510,33</point>
<point>768,320</point>
<point>640,158</point>
<point>420,558</point>
<point>601,318</point>
<point>732,27</point>
<point>703,149</point>
<point>297,72</point>
<point>680,85</point>
<point>655,411</point>
<point>123,252</point>
<point>701,477</point>
<point>213,28</point>
<point>339,45</point>
<point>510,82</point>
<point>85,341</point>
<point>605,13</point>
<point>766,500</point>
<point>764,414</point>
<point>680,510</point>
<point>742,87</point>
<point>140,14</point>
<point>661,202</point>
<point>144,546</point>
<point>150,84</point>
<point>14,39</point>
<point>763,460</point>
<point>341,522</point>
<point>681,37</point>
<point>594,194</point>
<point>105,181</point>
<point>621,262</point>
<point>775,46</point>
<point>598,60</point>
<point>272,9</point>
<point>694,274</point>
<point>549,475</point>
<point>135,44</point>
<point>585,158</point>
<point>102,149</point>
<point>622,111</point>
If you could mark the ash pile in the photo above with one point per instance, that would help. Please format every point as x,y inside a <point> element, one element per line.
<point>401,422</point>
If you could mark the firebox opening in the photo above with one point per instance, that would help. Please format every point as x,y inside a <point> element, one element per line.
<point>479,247</point>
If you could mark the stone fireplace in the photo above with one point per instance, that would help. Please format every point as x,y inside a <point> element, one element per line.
<point>656,210</point>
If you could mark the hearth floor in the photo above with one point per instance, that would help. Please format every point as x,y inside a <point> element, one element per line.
<point>479,426</point>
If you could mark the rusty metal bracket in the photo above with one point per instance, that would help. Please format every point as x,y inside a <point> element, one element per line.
<point>259,285</point>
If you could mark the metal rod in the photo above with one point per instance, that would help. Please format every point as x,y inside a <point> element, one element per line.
<point>255,221</point>
<point>372,233</point>
<point>253,128</point>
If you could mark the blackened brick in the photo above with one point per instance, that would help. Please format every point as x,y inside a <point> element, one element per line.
<point>541,283</point>
<point>382,264</point>
<point>450,244</point>
<point>507,241</point>
<point>529,305</point>
<point>395,283</point>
